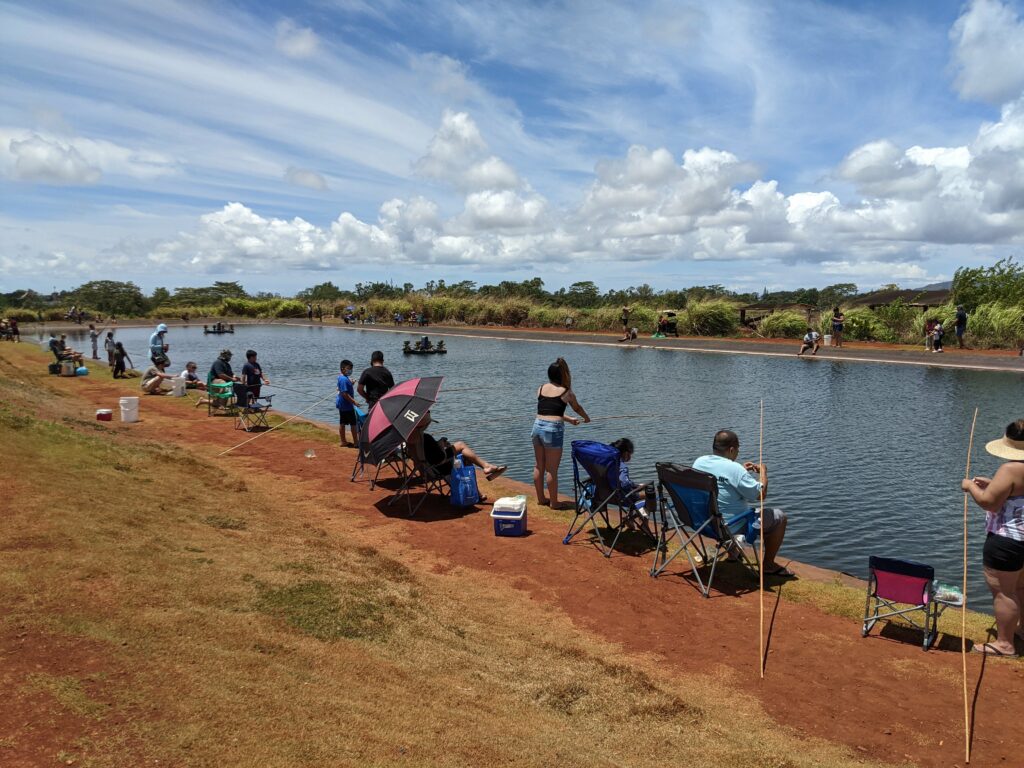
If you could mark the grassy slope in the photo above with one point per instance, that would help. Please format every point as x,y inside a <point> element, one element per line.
<point>250,637</point>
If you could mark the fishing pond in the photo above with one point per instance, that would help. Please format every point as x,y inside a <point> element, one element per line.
<point>866,458</point>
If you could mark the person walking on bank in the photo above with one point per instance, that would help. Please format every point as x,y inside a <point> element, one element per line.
<point>549,430</point>
<point>375,381</point>
<point>1002,498</point>
<point>838,322</point>
<point>960,325</point>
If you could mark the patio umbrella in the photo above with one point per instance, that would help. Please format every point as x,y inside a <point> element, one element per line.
<point>393,418</point>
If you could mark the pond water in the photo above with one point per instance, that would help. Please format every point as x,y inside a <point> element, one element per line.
<point>865,458</point>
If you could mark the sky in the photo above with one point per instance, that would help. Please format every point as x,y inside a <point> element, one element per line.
<point>672,143</point>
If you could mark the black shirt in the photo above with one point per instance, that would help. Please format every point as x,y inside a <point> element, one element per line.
<point>439,458</point>
<point>252,374</point>
<point>221,369</point>
<point>376,381</point>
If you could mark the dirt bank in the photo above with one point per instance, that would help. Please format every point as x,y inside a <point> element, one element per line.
<point>882,696</point>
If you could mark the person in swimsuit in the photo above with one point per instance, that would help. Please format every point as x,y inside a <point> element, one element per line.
<point>549,429</point>
<point>1002,498</point>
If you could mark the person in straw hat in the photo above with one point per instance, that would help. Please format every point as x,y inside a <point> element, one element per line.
<point>1002,498</point>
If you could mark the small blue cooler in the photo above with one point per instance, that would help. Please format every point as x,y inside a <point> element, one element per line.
<point>509,515</point>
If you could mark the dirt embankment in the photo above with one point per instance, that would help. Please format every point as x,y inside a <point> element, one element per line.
<point>882,696</point>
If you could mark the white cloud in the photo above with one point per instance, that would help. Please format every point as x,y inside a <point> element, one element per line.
<point>989,52</point>
<point>294,41</point>
<point>51,159</point>
<point>303,177</point>
<point>52,162</point>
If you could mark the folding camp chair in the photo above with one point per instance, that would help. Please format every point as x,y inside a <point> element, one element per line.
<point>595,477</point>
<point>253,414</point>
<point>423,476</point>
<point>688,515</point>
<point>220,397</point>
<point>893,582</point>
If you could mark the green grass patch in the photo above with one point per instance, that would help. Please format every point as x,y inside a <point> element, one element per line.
<point>69,691</point>
<point>320,610</point>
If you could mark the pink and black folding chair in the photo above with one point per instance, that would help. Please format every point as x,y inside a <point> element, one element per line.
<point>893,583</point>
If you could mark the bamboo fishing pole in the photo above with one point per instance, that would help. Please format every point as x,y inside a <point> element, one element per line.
<point>760,546</point>
<point>261,434</point>
<point>963,607</point>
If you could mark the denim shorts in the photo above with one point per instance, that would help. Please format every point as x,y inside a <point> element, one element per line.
<point>550,433</point>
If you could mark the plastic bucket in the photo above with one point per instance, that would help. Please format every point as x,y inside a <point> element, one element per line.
<point>104,414</point>
<point>67,367</point>
<point>828,339</point>
<point>129,409</point>
<point>178,386</point>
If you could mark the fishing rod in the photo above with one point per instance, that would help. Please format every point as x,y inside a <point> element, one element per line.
<point>760,545</point>
<point>596,418</point>
<point>963,607</point>
<point>261,434</point>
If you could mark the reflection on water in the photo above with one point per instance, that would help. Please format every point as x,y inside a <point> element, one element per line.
<point>866,458</point>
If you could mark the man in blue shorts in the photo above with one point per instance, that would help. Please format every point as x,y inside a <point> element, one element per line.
<point>346,404</point>
<point>738,489</point>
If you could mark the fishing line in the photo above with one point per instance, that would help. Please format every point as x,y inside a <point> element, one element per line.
<point>963,607</point>
<point>290,418</point>
<point>596,418</point>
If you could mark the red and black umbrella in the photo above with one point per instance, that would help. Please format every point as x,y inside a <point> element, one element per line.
<point>393,418</point>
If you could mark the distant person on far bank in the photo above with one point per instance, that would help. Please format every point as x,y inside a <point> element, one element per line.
<point>838,323</point>
<point>812,341</point>
<point>937,333</point>
<point>624,319</point>
<point>375,381</point>
<point>929,330</point>
<point>960,325</point>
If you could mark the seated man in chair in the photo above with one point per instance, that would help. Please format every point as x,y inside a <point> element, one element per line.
<point>738,489</point>
<point>440,455</point>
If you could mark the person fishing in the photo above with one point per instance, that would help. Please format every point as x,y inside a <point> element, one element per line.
<point>1002,498</point>
<point>549,430</point>
<point>158,346</point>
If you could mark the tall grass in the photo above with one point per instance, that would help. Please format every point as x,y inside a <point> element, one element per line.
<point>785,324</point>
<point>710,318</point>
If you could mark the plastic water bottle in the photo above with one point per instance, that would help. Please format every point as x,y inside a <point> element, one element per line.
<point>740,539</point>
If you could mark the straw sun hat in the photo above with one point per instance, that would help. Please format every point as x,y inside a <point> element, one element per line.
<point>1005,448</point>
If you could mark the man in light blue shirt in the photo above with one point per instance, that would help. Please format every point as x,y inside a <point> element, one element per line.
<point>739,489</point>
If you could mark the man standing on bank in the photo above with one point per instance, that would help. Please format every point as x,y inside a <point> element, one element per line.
<point>375,381</point>
<point>740,486</point>
<point>960,325</point>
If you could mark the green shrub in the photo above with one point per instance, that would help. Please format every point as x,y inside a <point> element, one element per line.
<point>289,308</point>
<point>54,314</point>
<point>709,318</point>
<point>783,324</point>
<point>862,325</point>
<point>20,315</point>
<point>992,325</point>
<point>900,321</point>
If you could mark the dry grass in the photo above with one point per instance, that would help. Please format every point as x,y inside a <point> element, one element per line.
<point>275,643</point>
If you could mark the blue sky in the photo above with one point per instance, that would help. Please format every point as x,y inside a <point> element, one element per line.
<point>672,143</point>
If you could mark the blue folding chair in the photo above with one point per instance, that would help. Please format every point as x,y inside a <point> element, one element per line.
<point>688,515</point>
<point>595,475</point>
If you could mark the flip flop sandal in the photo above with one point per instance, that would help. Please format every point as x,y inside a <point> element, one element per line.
<point>781,572</point>
<point>987,649</point>
<point>496,472</point>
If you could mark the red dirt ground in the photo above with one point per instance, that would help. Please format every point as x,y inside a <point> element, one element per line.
<point>882,696</point>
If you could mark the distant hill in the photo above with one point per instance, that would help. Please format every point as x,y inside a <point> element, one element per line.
<point>937,286</point>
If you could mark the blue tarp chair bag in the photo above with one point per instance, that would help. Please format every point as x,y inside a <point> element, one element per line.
<point>688,517</point>
<point>595,473</point>
<point>464,491</point>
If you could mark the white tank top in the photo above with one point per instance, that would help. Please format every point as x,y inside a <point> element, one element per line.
<point>1008,521</point>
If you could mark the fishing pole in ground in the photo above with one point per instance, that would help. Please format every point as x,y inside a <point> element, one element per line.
<point>963,606</point>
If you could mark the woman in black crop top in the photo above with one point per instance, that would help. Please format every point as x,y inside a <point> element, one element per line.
<point>549,430</point>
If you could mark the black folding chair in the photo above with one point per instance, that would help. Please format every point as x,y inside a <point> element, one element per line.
<point>688,516</point>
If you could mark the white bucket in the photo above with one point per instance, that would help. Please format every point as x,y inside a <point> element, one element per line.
<point>178,386</point>
<point>68,368</point>
<point>129,409</point>
<point>828,339</point>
